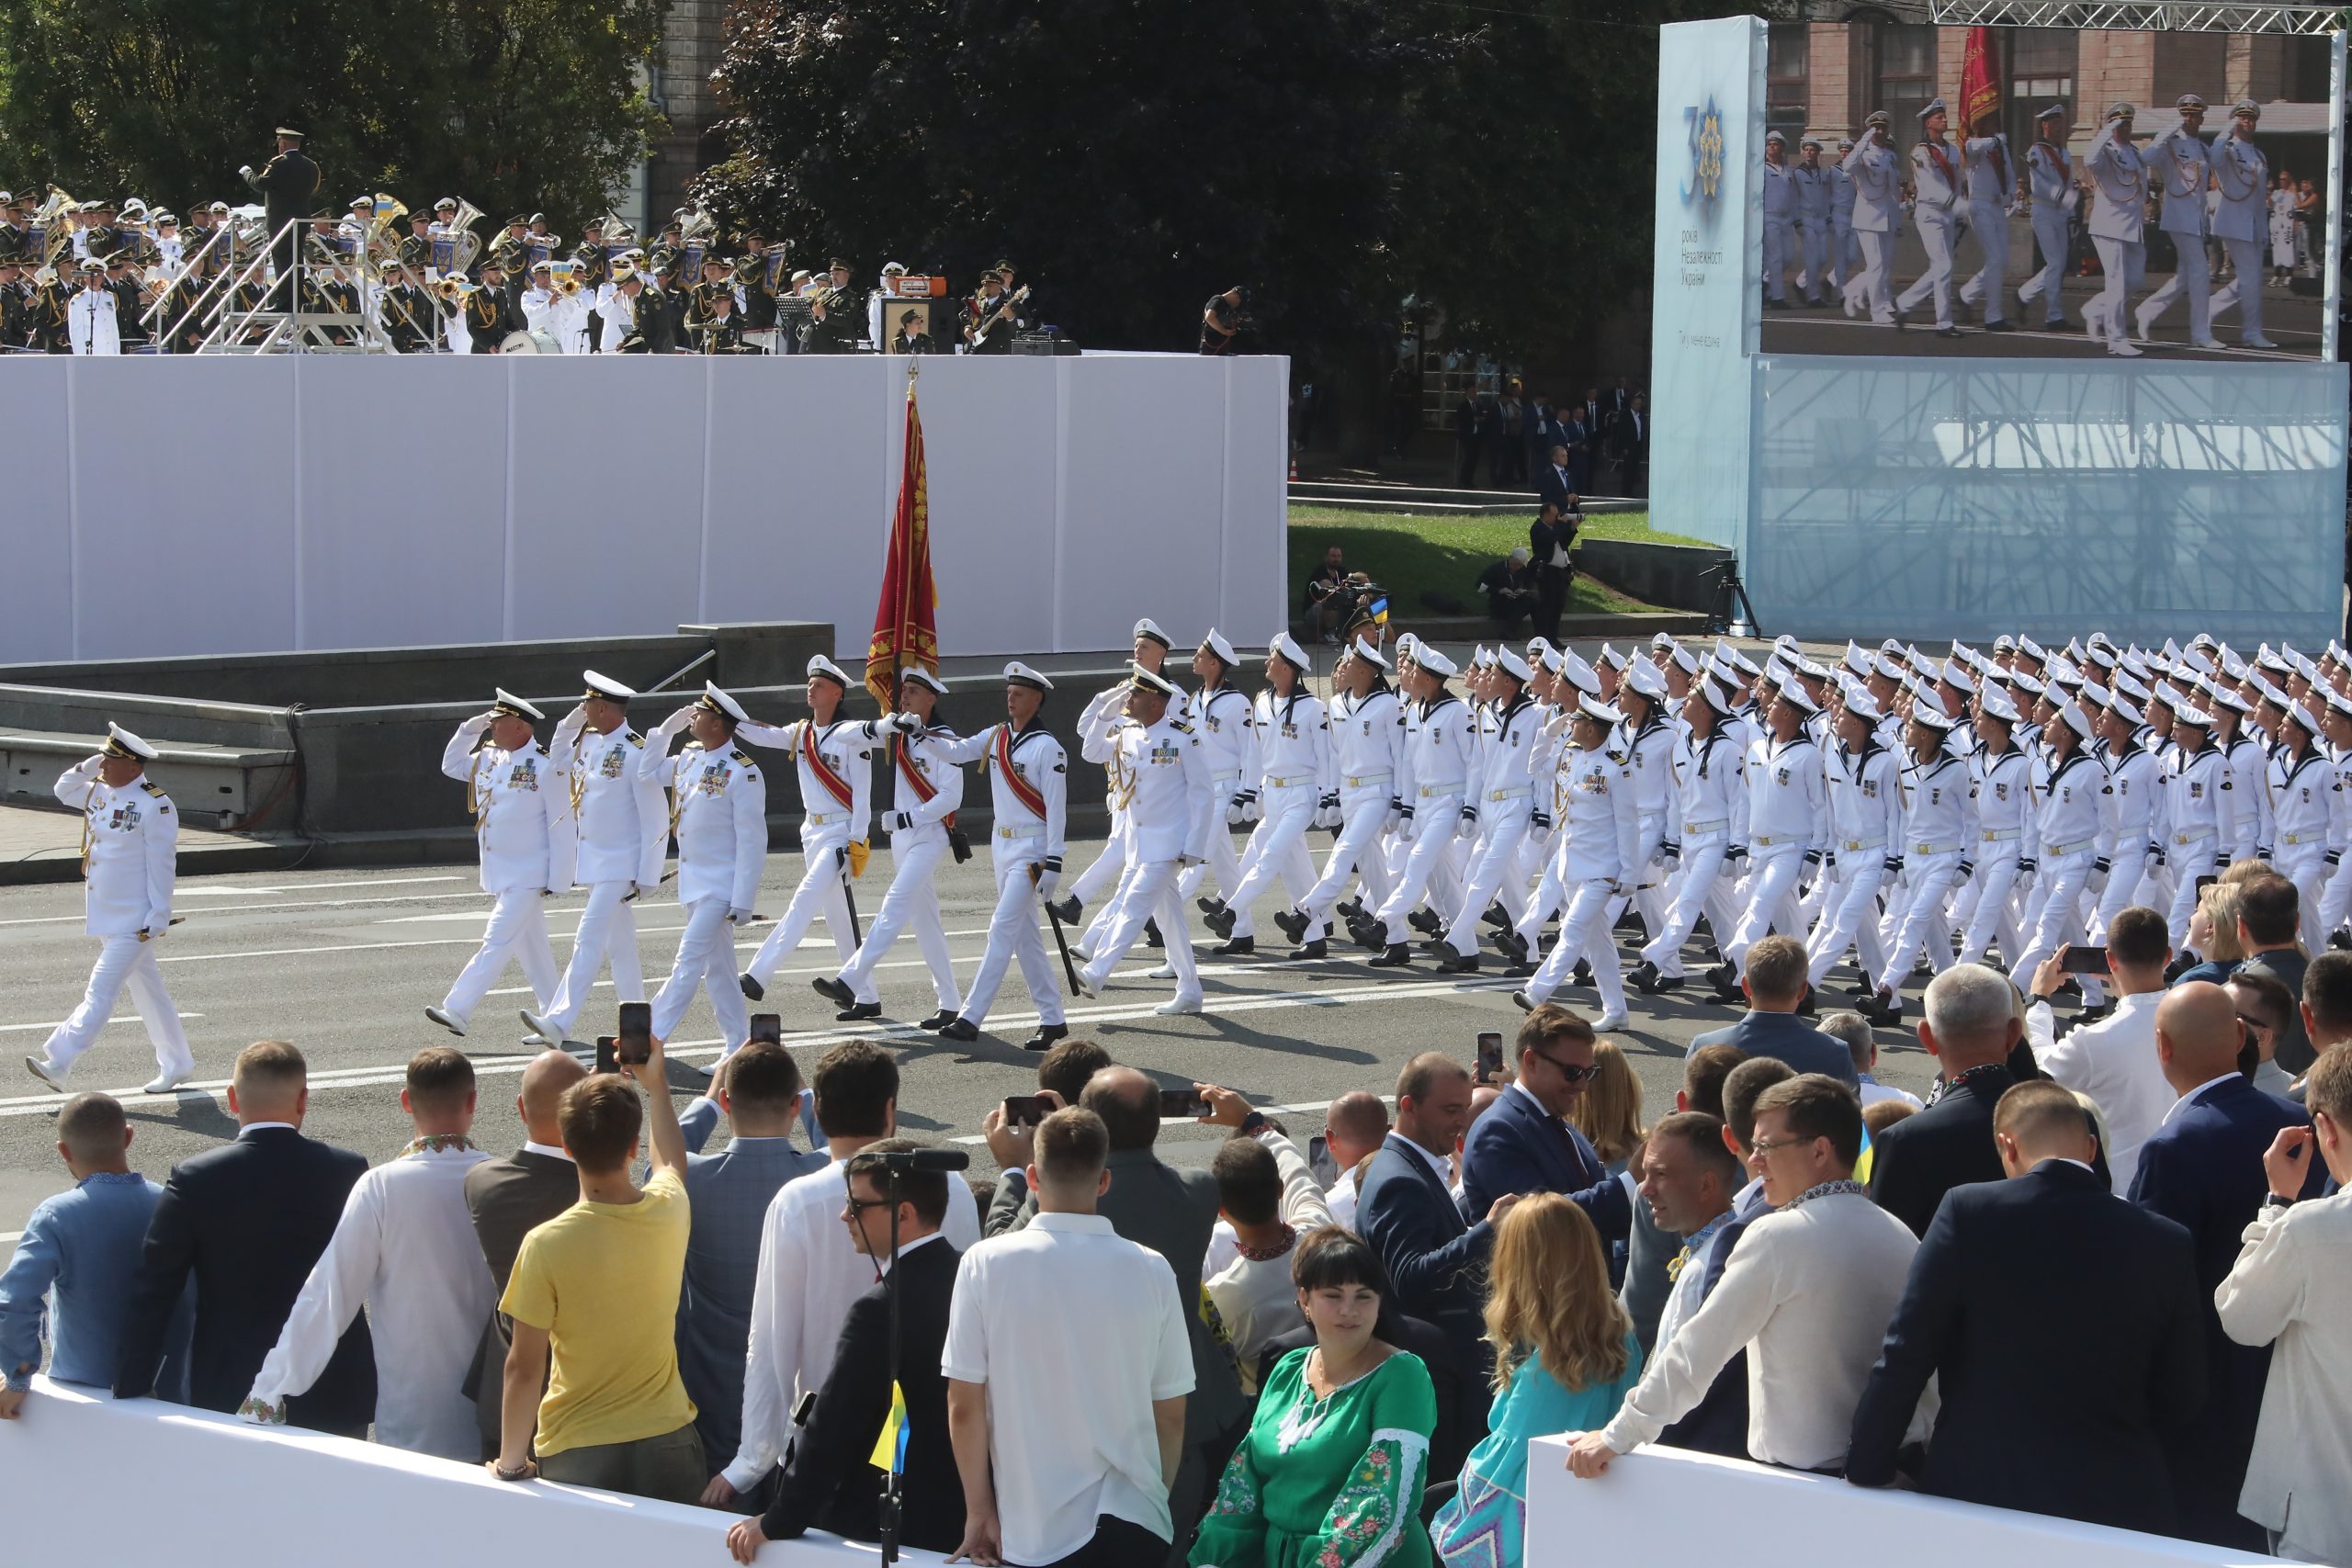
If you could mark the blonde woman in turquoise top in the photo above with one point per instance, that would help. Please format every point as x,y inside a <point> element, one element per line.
<point>1332,1472</point>
<point>1566,1356</point>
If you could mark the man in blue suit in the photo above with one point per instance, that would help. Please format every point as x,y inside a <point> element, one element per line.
<point>1436,1258</point>
<point>1774,982</point>
<point>2072,1424</point>
<point>1524,1144</point>
<point>2202,1169</point>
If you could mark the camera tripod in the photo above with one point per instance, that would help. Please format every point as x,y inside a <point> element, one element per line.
<point>1731,613</point>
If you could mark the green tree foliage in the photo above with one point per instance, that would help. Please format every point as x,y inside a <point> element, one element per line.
<point>509,103</point>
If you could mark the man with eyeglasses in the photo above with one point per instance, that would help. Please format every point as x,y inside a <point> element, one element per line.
<point>1525,1144</point>
<point>1808,1294</point>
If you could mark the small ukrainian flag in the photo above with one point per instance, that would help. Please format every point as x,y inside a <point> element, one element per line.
<point>891,1447</point>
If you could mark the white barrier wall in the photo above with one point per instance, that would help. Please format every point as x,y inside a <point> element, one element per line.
<point>161,506</point>
<point>143,1484</point>
<point>1663,1506</point>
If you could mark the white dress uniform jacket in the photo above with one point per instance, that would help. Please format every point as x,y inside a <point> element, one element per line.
<point>515,797</point>
<point>132,838</point>
<point>616,827</point>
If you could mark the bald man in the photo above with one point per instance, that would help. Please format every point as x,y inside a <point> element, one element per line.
<point>2202,1169</point>
<point>507,1198</point>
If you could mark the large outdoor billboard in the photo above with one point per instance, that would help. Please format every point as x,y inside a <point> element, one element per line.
<point>2029,192</point>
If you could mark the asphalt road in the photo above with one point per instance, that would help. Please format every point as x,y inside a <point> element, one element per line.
<point>344,964</point>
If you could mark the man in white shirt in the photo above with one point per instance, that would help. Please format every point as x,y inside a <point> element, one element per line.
<point>2287,1290</point>
<point>1061,1469</point>
<point>1808,1292</point>
<point>1354,1129</point>
<point>2113,1061</point>
<point>811,1271</point>
<point>405,1249</point>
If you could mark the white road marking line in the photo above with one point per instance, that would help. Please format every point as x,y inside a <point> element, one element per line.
<point>124,1019</point>
<point>1004,1026</point>
<point>216,910</point>
<point>238,892</point>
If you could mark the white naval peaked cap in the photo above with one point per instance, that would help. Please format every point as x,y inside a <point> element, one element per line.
<point>2172,649</point>
<point>1997,705</point>
<point>2032,650</point>
<point>1149,628</point>
<point>2337,701</point>
<point>1683,658</point>
<point>1744,664</point>
<point>2305,714</point>
<point>1216,645</point>
<point>1019,675</point>
<point>2208,642</point>
<point>2305,665</point>
<point>1436,663</point>
<point>1537,647</point>
<point>2189,713</point>
<point>120,743</point>
<point>2269,692</point>
<point>1930,714</point>
<point>2136,690</point>
<point>1661,639</point>
<point>1610,657</point>
<point>1922,663</point>
<point>2020,679</point>
<point>2232,665</point>
<point>1954,675</point>
<point>1786,643</point>
<point>604,686</point>
<point>1152,680</point>
<point>2095,694</point>
<point>1287,647</point>
<point>2122,707</point>
<point>2005,643</point>
<point>1645,678</point>
<point>1965,654</point>
<point>923,677</point>
<point>1478,656</point>
<point>2195,659</point>
<point>1364,650</point>
<point>2077,720</point>
<point>1715,696</point>
<point>1856,660</point>
<point>1580,674</point>
<point>2224,697</point>
<point>1935,106</point>
<point>818,665</point>
<point>507,702</point>
<point>1509,662</point>
<point>1794,696</point>
<point>1861,704</point>
<point>1553,661</point>
<point>1593,708</point>
<point>2102,656</point>
<point>1887,665</point>
<point>1811,671</point>
<point>1405,643</point>
<point>718,702</point>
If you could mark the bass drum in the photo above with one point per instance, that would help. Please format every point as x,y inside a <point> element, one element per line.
<point>533,342</point>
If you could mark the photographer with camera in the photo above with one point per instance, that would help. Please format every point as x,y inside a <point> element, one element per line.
<point>1224,319</point>
<point>1326,602</point>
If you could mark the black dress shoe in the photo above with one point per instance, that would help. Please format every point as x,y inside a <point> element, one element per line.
<point>1236,947</point>
<point>1947,331</point>
<point>858,1010</point>
<point>1312,950</point>
<point>1497,917</point>
<point>753,988</point>
<point>959,1028</point>
<point>1725,980</point>
<point>1451,960</point>
<point>1643,978</point>
<point>1513,945</point>
<point>1208,906</point>
<point>1395,956</point>
<point>833,990</point>
<point>1046,1036</point>
<point>1351,910</point>
<point>1220,920</point>
<point>1883,1010</point>
<point>937,1020</point>
<point>1807,1009</point>
<point>1523,970</point>
<point>1067,911</point>
<point>1426,922</point>
<point>1151,937</point>
<point>1371,934</point>
<point>1668,983</point>
<point>1291,923</point>
<point>1902,321</point>
<point>1582,976</point>
<point>2000,326</point>
<point>2062,325</point>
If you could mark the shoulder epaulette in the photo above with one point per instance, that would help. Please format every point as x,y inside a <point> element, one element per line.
<point>737,754</point>
<point>634,739</point>
<point>1180,726</point>
<point>151,786</point>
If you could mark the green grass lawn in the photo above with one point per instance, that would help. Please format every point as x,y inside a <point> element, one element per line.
<point>1410,554</point>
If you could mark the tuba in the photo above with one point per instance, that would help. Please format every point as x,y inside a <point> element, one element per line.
<point>56,235</point>
<point>468,245</point>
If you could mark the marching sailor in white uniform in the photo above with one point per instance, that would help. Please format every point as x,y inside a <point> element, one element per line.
<point>2242,221</point>
<point>1168,809</point>
<point>718,809</point>
<point>2178,162</point>
<point>2117,224</point>
<point>2050,180</point>
<point>926,790</point>
<point>515,795</point>
<point>1295,779</point>
<point>1935,207</point>
<point>129,836</point>
<point>1877,177</point>
<point>1368,741</point>
<point>614,835</point>
<point>836,761</point>
<point>1029,787</point>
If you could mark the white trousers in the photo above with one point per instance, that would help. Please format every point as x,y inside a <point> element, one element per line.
<point>2306,866</point>
<point>1700,887</point>
<point>2051,231</point>
<point>1013,933</point>
<point>1770,901</point>
<point>1990,917</point>
<point>912,900</point>
<point>1224,863</point>
<point>1848,914</point>
<point>1147,889</point>
<point>1779,250</point>
<point>1495,854</point>
<point>1584,933</point>
<point>1812,240</point>
<point>1845,253</point>
<point>1991,282</point>
<point>607,929</point>
<point>2186,863</point>
<point>517,929</point>
<point>2119,263</point>
<point>2243,290</point>
<point>1356,852</point>
<point>124,960</point>
<point>819,893</point>
<point>1873,285</point>
<point>1920,921</point>
<point>2192,276</point>
<point>2054,911</point>
<point>1435,819</point>
<point>705,958</point>
<point>1277,848</point>
<point>1937,232</point>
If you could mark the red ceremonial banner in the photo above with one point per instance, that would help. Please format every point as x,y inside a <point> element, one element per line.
<point>1980,84</point>
<point>906,630</point>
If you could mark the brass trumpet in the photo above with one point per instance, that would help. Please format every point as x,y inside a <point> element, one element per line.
<point>453,287</point>
<point>566,280</point>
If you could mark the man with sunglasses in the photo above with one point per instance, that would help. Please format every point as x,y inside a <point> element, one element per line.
<point>1525,1144</point>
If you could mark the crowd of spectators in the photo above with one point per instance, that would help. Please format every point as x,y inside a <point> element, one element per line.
<point>2098,1275</point>
<point>1509,434</point>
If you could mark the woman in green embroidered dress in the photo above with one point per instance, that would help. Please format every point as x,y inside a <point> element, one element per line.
<point>1330,1474</point>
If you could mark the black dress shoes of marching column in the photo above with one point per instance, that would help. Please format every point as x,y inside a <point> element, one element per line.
<point>937,1020</point>
<point>959,1028</point>
<point>830,987</point>
<point>1397,955</point>
<point>753,988</point>
<point>1046,1034</point>
<point>1453,960</point>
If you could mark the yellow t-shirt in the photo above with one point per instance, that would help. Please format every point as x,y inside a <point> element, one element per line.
<point>603,1280</point>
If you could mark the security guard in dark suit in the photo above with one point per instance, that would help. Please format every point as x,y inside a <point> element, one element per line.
<point>287,182</point>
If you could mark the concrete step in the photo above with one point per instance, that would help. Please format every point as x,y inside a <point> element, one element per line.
<point>221,787</point>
